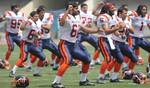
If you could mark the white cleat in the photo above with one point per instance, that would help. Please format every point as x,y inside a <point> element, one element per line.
<point>92,63</point>
<point>98,61</point>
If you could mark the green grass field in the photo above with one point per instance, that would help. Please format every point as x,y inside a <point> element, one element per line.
<point>71,77</point>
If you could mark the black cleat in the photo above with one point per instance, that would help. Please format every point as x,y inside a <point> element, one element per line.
<point>106,76</point>
<point>36,75</point>
<point>55,68</point>
<point>11,74</point>
<point>100,81</point>
<point>114,80</point>
<point>57,85</point>
<point>86,83</point>
<point>148,75</point>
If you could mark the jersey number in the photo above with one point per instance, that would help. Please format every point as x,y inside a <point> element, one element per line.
<point>31,34</point>
<point>74,30</point>
<point>141,28</point>
<point>89,20</point>
<point>15,23</point>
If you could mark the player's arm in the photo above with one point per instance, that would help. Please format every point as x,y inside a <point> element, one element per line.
<point>113,28</point>
<point>2,18</point>
<point>46,26</point>
<point>117,33</point>
<point>131,29</point>
<point>64,17</point>
<point>98,6</point>
<point>22,25</point>
<point>5,16</point>
<point>90,30</point>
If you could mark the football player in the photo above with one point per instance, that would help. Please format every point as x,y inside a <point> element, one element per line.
<point>108,49</point>
<point>87,20</point>
<point>13,20</point>
<point>69,25</point>
<point>45,24</point>
<point>140,20</point>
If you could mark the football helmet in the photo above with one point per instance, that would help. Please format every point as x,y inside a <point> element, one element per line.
<point>20,82</point>
<point>127,74</point>
<point>139,78</point>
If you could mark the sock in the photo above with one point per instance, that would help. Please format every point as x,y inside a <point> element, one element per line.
<point>14,69</point>
<point>83,77</point>
<point>98,60</point>
<point>114,75</point>
<point>124,65</point>
<point>57,79</point>
<point>92,62</point>
<point>101,76</point>
<point>37,70</point>
<point>29,64</point>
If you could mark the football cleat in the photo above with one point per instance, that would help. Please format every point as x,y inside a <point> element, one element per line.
<point>148,71</point>
<point>55,68</point>
<point>92,63</point>
<point>57,85</point>
<point>106,76</point>
<point>98,62</point>
<point>11,74</point>
<point>36,75</point>
<point>114,80</point>
<point>100,81</point>
<point>2,64</point>
<point>148,75</point>
<point>86,83</point>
